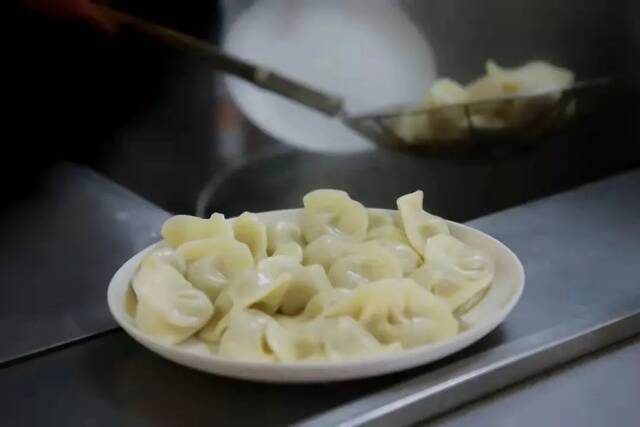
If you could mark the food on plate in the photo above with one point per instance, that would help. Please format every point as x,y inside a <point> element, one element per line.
<point>445,117</point>
<point>342,282</point>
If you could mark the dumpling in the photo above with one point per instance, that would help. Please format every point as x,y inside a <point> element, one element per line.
<point>213,263</point>
<point>248,229</point>
<point>164,254</point>
<point>454,271</point>
<point>291,249</point>
<point>169,307</point>
<point>387,232</point>
<point>234,251</point>
<point>282,233</point>
<point>303,285</point>
<point>340,339</point>
<point>324,301</point>
<point>398,310</point>
<point>218,323</point>
<point>326,250</point>
<point>419,225</point>
<point>279,284</point>
<point>185,228</point>
<point>409,259</point>
<point>254,336</point>
<point>333,212</point>
<point>264,286</point>
<point>533,77</point>
<point>378,219</point>
<point>395,241</point>
<point>364,263</point>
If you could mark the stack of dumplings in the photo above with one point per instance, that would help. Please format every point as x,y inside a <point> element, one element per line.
<point>341,283</point>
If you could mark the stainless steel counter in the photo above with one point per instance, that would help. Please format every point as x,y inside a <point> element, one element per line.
<point>59,246</point>
<point>580,254</point>
<point>598,390</point>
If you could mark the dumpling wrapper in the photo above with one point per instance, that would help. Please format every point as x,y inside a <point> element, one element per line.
<point>364,263</point>
<point>326,250</point>
<point>213,263</point>
<point>419,225</point>
<point>333,212</point>
<point>254,336</point>
<point>282,233</point>
<point>291,249</point>
<point>395,241</point>
<point>169,307</point>
<point>340,339</point>
<point>165,254</point>
<point>185,228</point>
<point>248,229</point>
<point>454,271</point>
<point>399,310</point>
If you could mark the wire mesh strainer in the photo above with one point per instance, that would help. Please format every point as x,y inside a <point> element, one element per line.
<point>478,128</point>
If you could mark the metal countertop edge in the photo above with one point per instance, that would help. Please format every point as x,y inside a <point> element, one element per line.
<point>436,392</point>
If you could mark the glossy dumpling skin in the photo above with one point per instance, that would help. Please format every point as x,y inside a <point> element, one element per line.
<point>164,254</point>
<point>326,250</point>
<point>291,249</point>
<point>333,212</point>
<point>339,339</point>
<point>248,229</point>
<point>454,271</point>
<point>399,310</point>
<point>395,241</point>
<point>419,225</point>
<point>169,307</point>
<point>362,264</point>
<point>254,336</point>
<point>185,228</point>
<point>279,284</point>
<point>282,233</point>
<point>213,263</point>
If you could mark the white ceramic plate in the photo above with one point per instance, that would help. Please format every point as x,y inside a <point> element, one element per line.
<point>502,296</point>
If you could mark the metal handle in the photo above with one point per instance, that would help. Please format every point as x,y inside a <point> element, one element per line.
<point>328,104</point>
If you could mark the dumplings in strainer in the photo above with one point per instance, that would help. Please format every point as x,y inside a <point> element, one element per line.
<point>336,282</point>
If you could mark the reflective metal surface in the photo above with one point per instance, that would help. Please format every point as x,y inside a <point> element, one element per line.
<point>598,390</point>
<point>59,247</point>
<point>579,250</point>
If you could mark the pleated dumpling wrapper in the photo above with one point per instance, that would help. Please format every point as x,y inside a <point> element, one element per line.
<point>419,225</point>
<point>185,228</point>
<point>399,310</point>
<point>454,271</point>
<point>169,307</point>
<point>333,212</point>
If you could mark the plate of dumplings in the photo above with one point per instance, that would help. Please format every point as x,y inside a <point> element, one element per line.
<point>328,292</point>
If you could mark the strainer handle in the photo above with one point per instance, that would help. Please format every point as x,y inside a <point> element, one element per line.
<point>265,78</point>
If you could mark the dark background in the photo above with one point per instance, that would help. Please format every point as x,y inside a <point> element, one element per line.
<point>145,115</point>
